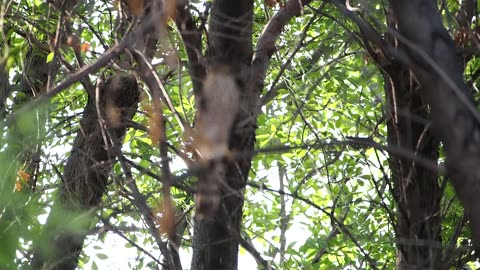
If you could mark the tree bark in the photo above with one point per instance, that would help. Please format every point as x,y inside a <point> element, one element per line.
<point>455,120</point>
<point>215,241</point>
<point>85,175</point>
<point>415,188</point>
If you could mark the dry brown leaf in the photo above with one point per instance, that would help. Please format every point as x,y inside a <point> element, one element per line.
<point>18,186</point>
<point>156,114</point>
<point>167,221</point>
<point>25,177</point>
<point>84,47</point>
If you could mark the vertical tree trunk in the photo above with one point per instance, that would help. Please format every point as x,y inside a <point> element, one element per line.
<point>436,65</point>
<point>215,242</point>
<point>416,189</point>
<point>85,175</point>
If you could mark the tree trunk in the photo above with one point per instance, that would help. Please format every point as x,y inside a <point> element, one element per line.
<point>415,188</point>
<point>455,120</point>
<point>85,175</point>
<point>215,241</point>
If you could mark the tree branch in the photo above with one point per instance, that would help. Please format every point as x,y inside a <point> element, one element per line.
<point>266,43</point>
<point>192,39</point>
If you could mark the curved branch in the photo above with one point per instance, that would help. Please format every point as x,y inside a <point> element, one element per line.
<point>266,43</point>
<point>192,39</point>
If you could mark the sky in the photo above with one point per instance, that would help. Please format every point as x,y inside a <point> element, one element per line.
<point>120,256</point>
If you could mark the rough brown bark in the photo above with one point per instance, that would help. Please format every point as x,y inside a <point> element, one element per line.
<point>455,120</point>
<point>85,175</point>
<point>416,189</point>
<point>215,242</point>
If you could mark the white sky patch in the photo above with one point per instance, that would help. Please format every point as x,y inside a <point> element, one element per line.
<point>121,257</point>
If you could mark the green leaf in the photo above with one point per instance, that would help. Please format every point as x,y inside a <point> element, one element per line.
<point>50,57</point>
<point>101,256</point>
<point>94,265</point>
